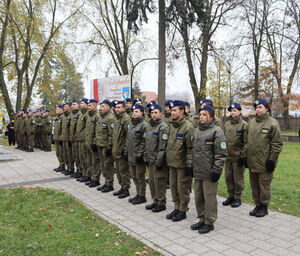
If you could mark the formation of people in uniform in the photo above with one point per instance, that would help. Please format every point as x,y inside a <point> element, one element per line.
<point>125,139</point>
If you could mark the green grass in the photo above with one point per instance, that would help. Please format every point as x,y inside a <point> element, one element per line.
<point>36,221</point>
<point>285,184</point>
<point>290,132</point>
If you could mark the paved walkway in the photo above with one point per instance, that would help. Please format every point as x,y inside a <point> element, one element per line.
<point>236,233</point>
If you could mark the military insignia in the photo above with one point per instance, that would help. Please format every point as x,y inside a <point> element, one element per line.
<point>192,138</point>
<point>264,130</point>
<point>104,124</point>
<point>121,125</point>
<point>209,142</point>
<point>81,118</point>
<point>112,125</point>
<point>223,145</point>
<point>138,133</point>
<point>165,136</point>
<point>155,134</point>
<point>179,136</point>
<point>145,134</point>
<point>128,126</point>
<point>92,121</point>
<point>75,118</point>
<point>239,132</point>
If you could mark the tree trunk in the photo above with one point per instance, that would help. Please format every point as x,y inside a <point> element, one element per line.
<point>162,53</point>
<point>256,82</point>
<point>203,66</point>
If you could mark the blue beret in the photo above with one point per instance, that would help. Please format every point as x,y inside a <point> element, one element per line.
<point>128,100</point>
<point>107,102</point>
<point>208,108</point>
<point>85,100</point>
<point>138,106</point>
<point>186,104</point>
<point>176,103</point>
<point>260,101</point>
<point>29,110</point>
<point>67,103</point>
<point>208,101</point>
<point>137,100</point>
<point>46,111</point>
<point>167,103</point>
<point>155,106</point>
<point>59,106</point>
<point>234,105</point>
<point>73,101</point>
<point>117,102</point>
<point>93,101</point>
<point>152,102</point>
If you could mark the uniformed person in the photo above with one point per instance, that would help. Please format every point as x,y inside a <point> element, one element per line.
<point>139,101</point>
<point>236,134</point>
<point>66,119</point>
<point>83,175</point>
<point>251,115</point>
<point>209,156</point>
<point>30,126</point>
<point>93,162</point>
<point>22,130</point>
<point>134,153</point>
<point>155,157</point>
<point>38,130</point>
<point>17,129</point>
<point>104,131</point>
<point>179,160</point>
<point>57,138</point>
<point>128,106</point>
<point>188,115</point>
<point>120,132</point>
<point>167,118</point>
<point>73,138</point>
<point>46,131</point>
<point>209,102</point>
<point>264,147</point>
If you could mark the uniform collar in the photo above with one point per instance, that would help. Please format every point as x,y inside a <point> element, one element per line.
<point>83,110</point>
<point>120,115</point>
<point>205,126</point>
<point>136,121</point>
<point>262,117</point>
<point>235,120</point>
<point>91,113</point>
<point>154,123</point>
<point>75,111</point>
<point>177,123</point>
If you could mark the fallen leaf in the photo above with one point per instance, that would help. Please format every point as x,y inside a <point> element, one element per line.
<point>49,227</point>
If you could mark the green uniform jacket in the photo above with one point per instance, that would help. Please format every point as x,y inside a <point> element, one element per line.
<point>120,132</point>
<point>236,135</point>
<point>179,146</point>
<point>57,128</point>
<point>90,128</point>
<point>264,142</point>
<point>104,129</point>
<point>218,122</point>
<point>17,124</point>
<point>73,125</point>
<point>156,142</point>
<point>129,112</point>
<point>167,118</point>
<point>189,118</point>
<point>135,142</point>
<point>29,125</point>
<point>66,119</point>
<point>46,125</point>
<point>81,124</point>
<point>22,126</point>
<point>209,150</point>
<point>38,121</point>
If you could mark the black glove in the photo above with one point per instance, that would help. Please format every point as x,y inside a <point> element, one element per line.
<point>60,143</point>
<point>146,163</point>
<point>25,133</point>
<point>241,161</point>
<point>246,162</point>
<point>69,143</point>
<point>108,152</point>
<point>270,165</point>
<point>139,159</point>
<point>125,157</point>
<point>94,148</point>
<point>188,171</point>
<point>214,176</point>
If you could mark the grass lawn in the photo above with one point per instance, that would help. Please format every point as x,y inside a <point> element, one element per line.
<point>290,132</point>
<point>36,221</point>
<point>285,184</point>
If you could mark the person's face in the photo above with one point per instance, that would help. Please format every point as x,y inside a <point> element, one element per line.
<point>204,117</point>
<point>92,106</point>
<point>261,109</point>
<point>74,106</point>
<point>13,120</point>
<point>29,114</point>
<point>58,111</point>
<point>167,109</point>
<point>235,112</point>
<point>66,108</point>
<point>176,112</point>
<point>119,108</point>
<point>156,114</point>
<point>83,104</point>
<point>128,105</point>
<point>187,109</point>
<point>104,108</point>
<point>38,113</point>
<point>137,113</point>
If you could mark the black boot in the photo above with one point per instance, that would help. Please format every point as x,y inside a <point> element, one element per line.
<point>253,212</point>
<point>88,182</point>
<point>56,169</point>
<point>124,194</point>
<point>118,192</point>
<point>101,187</point>
<point>150,206</point>
<point>139,200</point>
<point>159,208</point>
<point>179,216</point>
<point>107,189</point>
<point>205,229</point>
<point>236,203</point>
<point>130,200</point>
<point>197,225</point>
<point>94,183</point>
<point>262,211</point>
<point>228,201</point>
<point>77,175</point>
<point>172,214</point>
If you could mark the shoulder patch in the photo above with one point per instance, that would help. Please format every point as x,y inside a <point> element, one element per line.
<point>209,142</point>
<point>192,138</point>
<point>265,130</point>
<point>223,145</point>
<point>179,136</point>
<point>165,136</point>
<point>145,135</point>
<point>239,132</point>
<point>112,125</point>
<point>128,126</point>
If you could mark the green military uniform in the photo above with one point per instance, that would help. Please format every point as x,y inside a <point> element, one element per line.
<point>179,156</point>
<point>264,143</point>
<point>167,118</point>
<point>135,146</point>
<point>104,132</point>
<point>209,156</point>
<point>38,131</point>
<point>190,119</point>
<point>119,142</point>
<point>129,112</point>
<point>80,131</point>
<point>66,119</point>
<point>155,155</point>
<point>57,140</point>
<point>46,133</point>
<point>236,135</point>
<point>73,139</point>
<point>219,122</point>
<point>17,129</point>
<point>30,127</point>
<point>93,162</point>
<point>22,132</point>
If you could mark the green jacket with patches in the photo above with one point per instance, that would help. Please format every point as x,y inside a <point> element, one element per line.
<point>30,126</point>
<point>66,119</point>
<point>236,134</point>
<point>218,122</point>
<point>22,126</point>
<point>57,127</point>
<point>47,126</point>
<point>156,142</point>
<point>120,132</point>
<point>104,129</point>
<point>179,146</point>
<point>90,128</point>
<point>167,118</point>
<point>209,150</point>
<point>264,142</point>
<point>73,125</point>
<point>81,124</point>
